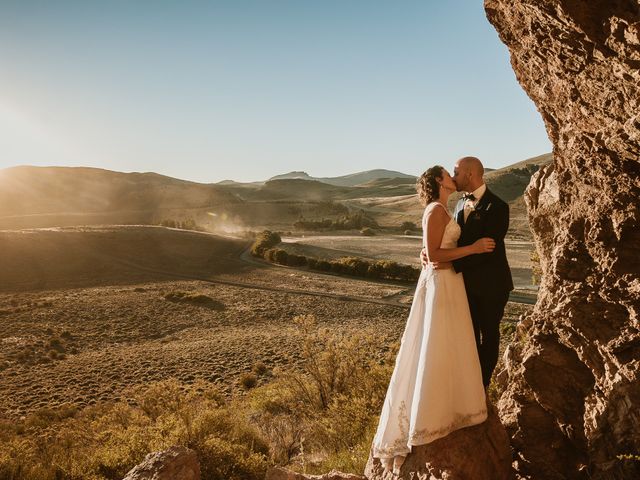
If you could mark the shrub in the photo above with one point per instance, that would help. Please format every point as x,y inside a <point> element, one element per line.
<point>248,380</point>
<point>408,226</point>
<point>367,232</point>
<point>194,299</point>
<point>280,256</point>
<point>324,265</point>
<point>187,224</point>
<point>260,368</point>
<point>56,344</point>
<point>298,260</point>
<point>264,241</point>
<point>354,266</point>
<point>224,460</point>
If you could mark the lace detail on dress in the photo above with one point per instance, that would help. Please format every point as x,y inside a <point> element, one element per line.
<point>399,445</point>
<point>425,435</point>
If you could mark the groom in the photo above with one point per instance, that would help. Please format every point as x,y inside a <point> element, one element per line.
<point>487,277</point>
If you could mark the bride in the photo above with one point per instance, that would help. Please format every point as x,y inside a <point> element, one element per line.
<point>436,386</point>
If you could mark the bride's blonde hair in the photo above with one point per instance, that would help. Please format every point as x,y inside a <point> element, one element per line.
<point>427,185</point>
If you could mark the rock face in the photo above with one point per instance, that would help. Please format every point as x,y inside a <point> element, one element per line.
<point>279,473</point>
<point>572,406</point>
<point>175,463</point>
<point>478,452</point>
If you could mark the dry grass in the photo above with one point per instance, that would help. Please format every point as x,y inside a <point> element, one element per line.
<point>79,358</point>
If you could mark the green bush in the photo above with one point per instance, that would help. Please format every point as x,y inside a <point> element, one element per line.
<point>224,460</point>
<point>264,241</point>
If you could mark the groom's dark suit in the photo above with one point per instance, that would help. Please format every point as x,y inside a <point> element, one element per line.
<point>487,277</point>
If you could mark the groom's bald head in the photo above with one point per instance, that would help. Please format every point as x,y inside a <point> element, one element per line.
<point>472,165</point>
<point>468,174</point>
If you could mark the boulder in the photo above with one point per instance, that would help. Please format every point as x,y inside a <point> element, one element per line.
<point>175,463</point>
<point>478,452</point>
<point>572,406</point>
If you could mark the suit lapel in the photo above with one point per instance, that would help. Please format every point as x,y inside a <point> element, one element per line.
<point>460,214</point>
<point>485,201</point>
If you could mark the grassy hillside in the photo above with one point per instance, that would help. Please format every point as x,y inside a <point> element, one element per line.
<point>510,182</point>
<point>36,190</point>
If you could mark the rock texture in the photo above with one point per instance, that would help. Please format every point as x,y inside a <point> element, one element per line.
<point>279,473</point>
<point>175,463</point>
<point>572,406</point>
<point>478,452</point>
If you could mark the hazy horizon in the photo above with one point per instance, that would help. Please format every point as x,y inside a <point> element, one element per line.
<point>232,179</point>
<point>246,90</point>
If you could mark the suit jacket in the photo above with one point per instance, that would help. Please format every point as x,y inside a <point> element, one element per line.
<point>486,274</point>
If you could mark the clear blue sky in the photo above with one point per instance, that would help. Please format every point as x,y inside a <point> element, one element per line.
<point>244,90</point>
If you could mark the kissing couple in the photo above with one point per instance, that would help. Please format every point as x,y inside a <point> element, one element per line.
<point>450,344</point>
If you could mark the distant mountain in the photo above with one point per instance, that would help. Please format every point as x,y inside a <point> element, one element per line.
<point>350,180</point>
<point>293,175</point>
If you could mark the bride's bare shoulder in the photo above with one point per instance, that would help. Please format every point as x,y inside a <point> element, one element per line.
<point>436,210</point>
<point>435,207</point>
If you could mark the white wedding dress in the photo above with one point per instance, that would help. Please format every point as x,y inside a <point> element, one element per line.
<point>436,386</point>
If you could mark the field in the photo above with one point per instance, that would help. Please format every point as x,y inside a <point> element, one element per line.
<point>97,310</point>
<point>400,248</point>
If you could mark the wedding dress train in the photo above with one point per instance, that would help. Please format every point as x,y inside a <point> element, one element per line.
<point>436,385</point>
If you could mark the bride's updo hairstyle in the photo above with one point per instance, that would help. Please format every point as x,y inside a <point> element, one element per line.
<point>427,186</point>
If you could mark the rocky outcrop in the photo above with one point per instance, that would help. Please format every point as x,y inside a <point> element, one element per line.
<point>478,452</point>
<point>572,405</point>
<point>279,473</point>
<point>175,463</point>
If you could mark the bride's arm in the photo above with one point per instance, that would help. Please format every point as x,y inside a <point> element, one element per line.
<point>436,221</point>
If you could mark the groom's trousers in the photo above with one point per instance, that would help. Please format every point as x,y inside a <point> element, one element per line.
<point>486,314</point>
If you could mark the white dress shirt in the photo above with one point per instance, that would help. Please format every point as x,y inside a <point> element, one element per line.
<point>469,204</point>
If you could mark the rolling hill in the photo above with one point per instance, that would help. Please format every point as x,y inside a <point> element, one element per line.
<point>91,256</point>
<point>32,197</point>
